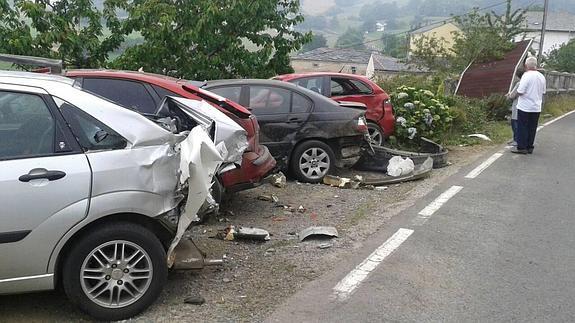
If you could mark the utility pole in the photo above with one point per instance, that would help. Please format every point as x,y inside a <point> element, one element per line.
<point>543,27</point>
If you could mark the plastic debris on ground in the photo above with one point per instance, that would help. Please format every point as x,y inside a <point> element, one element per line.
<point>480,136</point>
<point>318,232</point>
<point>341,182</point>
<point>231,233</point>
<point>277,180</point>
<point>398,166</point>
<point>196,300</point>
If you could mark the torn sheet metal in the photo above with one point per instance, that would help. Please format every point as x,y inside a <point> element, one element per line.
<point>227,131</point>
<point>199,160</point>
<point>321,232</point>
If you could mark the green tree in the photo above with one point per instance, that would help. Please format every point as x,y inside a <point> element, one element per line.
<point>211,39</point>
<point>394,45</point>
<point>351,38</point>
<point>317,41</point>
<point>70,30</point>
<point>563,58</point>
<point>432,53</point>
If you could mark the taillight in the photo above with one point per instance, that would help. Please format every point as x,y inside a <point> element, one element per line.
<point>387,106</point>
<point>362,125</point>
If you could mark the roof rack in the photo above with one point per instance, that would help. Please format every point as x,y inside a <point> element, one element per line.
<point>46,65</point>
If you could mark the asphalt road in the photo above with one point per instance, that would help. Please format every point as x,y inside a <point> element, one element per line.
<point>501,249</point>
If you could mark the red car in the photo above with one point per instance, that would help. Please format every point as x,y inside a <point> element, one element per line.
<point>144,92</point>
<point>355,88</point>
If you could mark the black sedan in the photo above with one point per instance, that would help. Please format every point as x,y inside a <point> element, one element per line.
<point>307,133</point>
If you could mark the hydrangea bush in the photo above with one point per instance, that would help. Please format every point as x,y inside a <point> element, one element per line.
<point>418,113</point>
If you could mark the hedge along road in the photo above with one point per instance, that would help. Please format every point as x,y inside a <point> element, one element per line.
<point>496,245</point>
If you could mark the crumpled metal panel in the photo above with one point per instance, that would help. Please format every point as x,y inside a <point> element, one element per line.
<point>199,161</point>
<point>227,131</point>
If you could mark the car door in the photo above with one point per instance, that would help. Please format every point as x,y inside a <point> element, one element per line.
<point>45,184</point>
<point>130,94</point>
<point>353,90</point>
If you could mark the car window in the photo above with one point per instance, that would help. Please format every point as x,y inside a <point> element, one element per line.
<point>361,87</point>
<point>162,93</point>
<point>90,132</point>
<point>342,86</point>
<point>129,94</point>
<point>27,127</point>
<point>300,104</point>
<point>269,100</point>
<point>229,92</point>
<point>311,83</point>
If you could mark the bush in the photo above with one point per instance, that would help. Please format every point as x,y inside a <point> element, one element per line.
<point>469,115</point>
<point>418,113</point>
<point>497,107</point>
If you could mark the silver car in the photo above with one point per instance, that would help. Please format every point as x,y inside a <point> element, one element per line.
<point>91,195</point>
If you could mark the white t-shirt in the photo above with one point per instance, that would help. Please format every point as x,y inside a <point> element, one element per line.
<point>531,89</point>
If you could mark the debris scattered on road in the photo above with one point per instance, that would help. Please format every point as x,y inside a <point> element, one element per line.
<point>318,232</point>
<point>227,280</point>
<point>277,180</point>
<point>196,300</point>
<point>398,166</point>
<point>301,209</point>
<point>325,245</point>
<point>480,136</point>
<point>270,250</point>
<point>252,234</point>
<point>268,198</point>
<point>380,188</point>
<point>341,182</point>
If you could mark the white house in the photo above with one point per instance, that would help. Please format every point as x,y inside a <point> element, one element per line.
<point>560,29</point>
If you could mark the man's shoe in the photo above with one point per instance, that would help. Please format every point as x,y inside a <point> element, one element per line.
<point>519,151</point>
<point>530,150</point>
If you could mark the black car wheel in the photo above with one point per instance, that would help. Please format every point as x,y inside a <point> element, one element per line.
<point>115,271</point>
<point>375,134</point>
<point>311,161</point>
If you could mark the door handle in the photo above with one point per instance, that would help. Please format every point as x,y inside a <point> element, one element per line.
<point>295,120</point>
<point>51,175</point>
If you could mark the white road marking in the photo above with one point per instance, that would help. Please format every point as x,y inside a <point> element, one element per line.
<point>350,282</point>
<point>557,119</point>
<point>479,169</point>
<point>432,207</point>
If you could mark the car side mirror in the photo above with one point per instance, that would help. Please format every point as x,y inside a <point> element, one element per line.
<point>100,135</point>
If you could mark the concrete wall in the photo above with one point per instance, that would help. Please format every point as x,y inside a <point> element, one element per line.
<point>558,82</point>
<point>444,31</point>
<point>304,66</point>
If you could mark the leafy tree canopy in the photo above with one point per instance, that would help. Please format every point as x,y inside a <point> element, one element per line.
<point>563,58</point>
<point>208,39</point>
<point>351,38</point>
<point>317,41</point>
<point>70,30</point>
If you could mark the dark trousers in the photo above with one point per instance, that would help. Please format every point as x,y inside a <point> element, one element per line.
<point>514,128</point>
<point>526,129</point>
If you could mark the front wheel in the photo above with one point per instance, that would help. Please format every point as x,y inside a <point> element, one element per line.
<point>115,271</point>
<point>375,134</point>
<point>311,161</point>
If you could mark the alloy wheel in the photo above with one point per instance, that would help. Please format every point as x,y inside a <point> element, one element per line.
<point>314,163</point>
<point>375,135</point>
<point>116,274</point>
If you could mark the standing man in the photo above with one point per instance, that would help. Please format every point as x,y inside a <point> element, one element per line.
<point>531,88</point>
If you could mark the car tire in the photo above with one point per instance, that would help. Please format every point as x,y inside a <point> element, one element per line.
<point>127,260</point>
<point>376,134</point>
<point>311,161</point>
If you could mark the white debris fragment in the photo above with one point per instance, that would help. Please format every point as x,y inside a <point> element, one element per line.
<point>398,166</point>
<point>480,136</point>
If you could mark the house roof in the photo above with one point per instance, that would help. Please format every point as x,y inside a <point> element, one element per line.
<point>431,26</point>
<point>556,21</point>
<point>388,63</point>
<point>340,55</point>
<point>483,79</point>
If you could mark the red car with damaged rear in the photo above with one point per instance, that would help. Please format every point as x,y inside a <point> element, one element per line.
<point>144,92</point>
<point>354,88</point>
